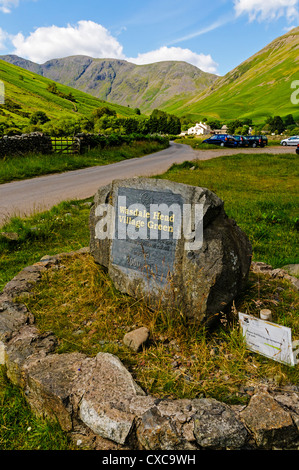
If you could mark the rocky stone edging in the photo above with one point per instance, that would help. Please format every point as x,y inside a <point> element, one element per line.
<point>98,402</point>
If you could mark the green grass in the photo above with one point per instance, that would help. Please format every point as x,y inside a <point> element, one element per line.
<point>260,192</point>
<point>63,228</point>
<point>28,90</point>
<point>31,165</point>
<point>179,361</point>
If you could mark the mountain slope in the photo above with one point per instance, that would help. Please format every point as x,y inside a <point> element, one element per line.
<point>117,81</point>
<point>27,92</point>
<point>258,88</point>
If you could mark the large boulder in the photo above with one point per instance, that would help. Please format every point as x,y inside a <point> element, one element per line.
<point>170,244</point>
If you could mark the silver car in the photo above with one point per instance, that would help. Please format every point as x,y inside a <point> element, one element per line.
<point>294,140</point>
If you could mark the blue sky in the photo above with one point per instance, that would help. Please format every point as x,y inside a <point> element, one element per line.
<point>215,36</point>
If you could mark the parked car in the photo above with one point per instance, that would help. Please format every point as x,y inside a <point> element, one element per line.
<point>257,140</point>
<point>224,140</point>
<point>297,149</point>
<point>294,140</point>
<point>241,140</point>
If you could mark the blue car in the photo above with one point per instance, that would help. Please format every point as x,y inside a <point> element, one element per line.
<point>224,140</point>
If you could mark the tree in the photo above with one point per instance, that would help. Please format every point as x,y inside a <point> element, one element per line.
<point>39,117</point>
<point>160,121</point>
<point>103,111</point>
<point>289,120</point>
<point>52,88</point>
<point>214,123</point>
<point>275,124</point>
<point>233,125</point>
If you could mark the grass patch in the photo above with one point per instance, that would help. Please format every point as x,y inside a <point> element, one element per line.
<point>31,165</point>
<point>260,192</point>
<point>64,228</point>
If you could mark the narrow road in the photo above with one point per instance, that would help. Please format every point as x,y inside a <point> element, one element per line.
<point>20,198</point>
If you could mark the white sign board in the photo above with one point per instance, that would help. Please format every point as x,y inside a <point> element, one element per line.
<point>269,339</point>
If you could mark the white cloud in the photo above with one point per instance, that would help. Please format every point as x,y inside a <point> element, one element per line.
<point>3,38</point>
<point>85,38</point>
<point>206,29</point>
<point>267,10</point>
<point>7,5</point>
<point>202,61</point>
<point>289,28</point>
<point>92,39</point>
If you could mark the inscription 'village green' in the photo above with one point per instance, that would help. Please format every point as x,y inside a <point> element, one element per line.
<point>150,246</point>
<point>151,224</point>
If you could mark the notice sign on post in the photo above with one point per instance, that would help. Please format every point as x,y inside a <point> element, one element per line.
<point>269,339</point>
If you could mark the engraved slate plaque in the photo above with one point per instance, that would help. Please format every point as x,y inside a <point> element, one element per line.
<point>145,235</point>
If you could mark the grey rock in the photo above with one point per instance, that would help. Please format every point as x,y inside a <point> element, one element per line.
<point>98,401</point>
<point>24,281</point>
<point>292,269</point>
<point>269,423</point>
<point>200,282</point>
<point>103,393</point>
<point>156,432</point>
<point>25,343</point>
<point>279,273</point>
<point>10,235</point>
<point>13,316</point>
<point>216,426</point>
<point>136,339</point>
<point>48,385</point>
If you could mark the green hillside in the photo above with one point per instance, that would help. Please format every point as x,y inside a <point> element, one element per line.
<point>117,81</point>
<point>258,88</point>
<point>26,93</point>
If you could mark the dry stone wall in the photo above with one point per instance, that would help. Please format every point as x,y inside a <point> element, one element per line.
<point>98,402</point>
<point>25,143</point>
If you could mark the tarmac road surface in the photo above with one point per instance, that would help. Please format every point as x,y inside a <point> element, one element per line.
<point>23,198</point>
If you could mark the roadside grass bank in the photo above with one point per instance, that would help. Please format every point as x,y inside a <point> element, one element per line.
<point>28,166</point>
<point>63,228</point>
<point>82,307</point>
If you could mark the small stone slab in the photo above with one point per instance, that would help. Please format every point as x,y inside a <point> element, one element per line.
<point>137,338</point>
<point>270,424</point>
<point>104,392</point>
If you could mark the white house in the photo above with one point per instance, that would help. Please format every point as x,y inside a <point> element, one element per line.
<point>199,129</point>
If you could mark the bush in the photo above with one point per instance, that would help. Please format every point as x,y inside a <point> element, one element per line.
<point>13,131</point>
<point>62,127</point>
<point>39,118</point>
<point>116,140</point>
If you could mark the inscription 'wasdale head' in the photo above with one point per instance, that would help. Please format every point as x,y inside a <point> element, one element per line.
<point>169,244</point>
